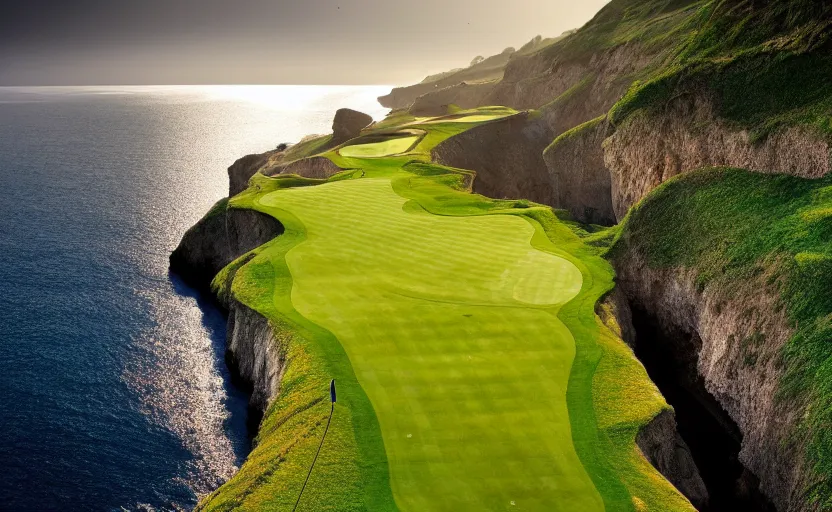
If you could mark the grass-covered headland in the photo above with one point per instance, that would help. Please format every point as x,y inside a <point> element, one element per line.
<point>472,370</point>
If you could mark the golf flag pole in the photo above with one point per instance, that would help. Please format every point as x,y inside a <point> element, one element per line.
<point>331,410</point>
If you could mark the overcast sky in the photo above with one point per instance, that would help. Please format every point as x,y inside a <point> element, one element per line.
<point>110,42</point>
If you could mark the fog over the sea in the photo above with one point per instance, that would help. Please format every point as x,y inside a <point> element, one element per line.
<point>85,42</point>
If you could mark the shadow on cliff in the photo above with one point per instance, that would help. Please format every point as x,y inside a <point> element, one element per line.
<point>714,439</point>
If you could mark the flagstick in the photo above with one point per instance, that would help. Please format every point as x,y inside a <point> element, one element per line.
<point>331,410</point>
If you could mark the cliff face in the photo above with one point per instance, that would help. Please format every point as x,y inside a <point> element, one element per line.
<point>219,238</point>
<point>507,156</point>
<point>733,344</point>
<point>463,95</point>
<point>581,181</point>
<point>650,149</point>
<point>244,168</point>
<point>317,167</point>
<point>482,72</point>
<point>538,79</point>
<point>253,353</point>
<point>665,449</point>
<point>658,440</point>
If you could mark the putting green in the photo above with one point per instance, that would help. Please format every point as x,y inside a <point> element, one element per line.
<point>440,319</point>
<point>476,118</point>
<point>379,149</point>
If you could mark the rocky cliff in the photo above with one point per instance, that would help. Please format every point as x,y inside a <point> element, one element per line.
<point>658,440</point>
<point>507,156</point>
<point>712,339</point>
<point>219,238</point>
<point>687,134</point>
<point>580,179</point>
<point>222,236</point>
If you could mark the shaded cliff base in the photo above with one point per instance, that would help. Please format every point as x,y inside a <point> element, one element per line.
<point>714,439</point>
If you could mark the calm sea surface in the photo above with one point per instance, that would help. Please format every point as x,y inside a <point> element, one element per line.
<point>113,390</point>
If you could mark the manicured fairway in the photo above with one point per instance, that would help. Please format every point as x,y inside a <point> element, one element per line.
<point>379,149</point>
<point>468,380</point>
<point>439,318</point>
<point>473,371</point>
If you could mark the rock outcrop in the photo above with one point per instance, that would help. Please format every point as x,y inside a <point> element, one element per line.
<point>318,167</point>
<point>665,449</point>
<point>535,80</point>
<point>223,235</point>
<point>463,95</point>
<point>686,134</point>
<point>348,124</point>
<point>244,168</point>
<point>713,339</point>
<point>580,179</point>
<point>658,440</point>
<point>490,69</point>
<point>253,353</point>
<point>507,156</point>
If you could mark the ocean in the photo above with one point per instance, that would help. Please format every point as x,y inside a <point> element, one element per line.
<point>115,395</point>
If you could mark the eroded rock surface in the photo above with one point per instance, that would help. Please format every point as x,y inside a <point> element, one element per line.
<point>218,239</point>
<point>318,167</point>
<point>579,176</point>
<point>665,449</point>
<point>731,345</point>
<point>463,95</point>
<point>507,156</point>
<point>348,124</point>
<point>686,135</point>
<point>254,354</point>
<point>244,168</point>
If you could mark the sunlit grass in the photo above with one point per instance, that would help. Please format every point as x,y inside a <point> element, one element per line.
<point>463,336</point>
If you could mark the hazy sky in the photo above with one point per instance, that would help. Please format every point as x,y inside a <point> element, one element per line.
<point>84,42</point>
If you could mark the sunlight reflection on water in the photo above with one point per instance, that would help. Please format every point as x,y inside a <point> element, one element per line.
<point>118,396</point>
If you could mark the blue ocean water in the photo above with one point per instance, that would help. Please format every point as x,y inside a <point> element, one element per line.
<point>113,390</point>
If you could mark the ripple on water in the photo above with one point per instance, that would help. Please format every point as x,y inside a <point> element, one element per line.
<point>175,370</point>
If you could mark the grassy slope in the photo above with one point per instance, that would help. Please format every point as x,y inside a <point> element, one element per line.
<point>609,395</point>
<point>766,65</point>
<point>731,225</point>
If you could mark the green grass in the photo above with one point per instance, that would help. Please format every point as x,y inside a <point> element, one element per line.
<point>462,334</point>
<point>307,147</point>
<point>454,388</point>
<point>733,226</point>
<point>474,118</point>
<point>379,149</point>
<point>765,65</point>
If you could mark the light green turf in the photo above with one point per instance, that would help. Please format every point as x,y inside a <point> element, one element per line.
<point>437,316</point>
<point>379,149</point>
<point>465,323</point>
<point>476,118</point>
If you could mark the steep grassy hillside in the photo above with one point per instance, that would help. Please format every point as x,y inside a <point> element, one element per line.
<point>473,372</point>
<point>766,64</point>
<point>731,227</point>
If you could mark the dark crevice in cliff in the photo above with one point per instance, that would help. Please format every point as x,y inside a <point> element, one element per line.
<point>714,439</point>
<point>254,414</point>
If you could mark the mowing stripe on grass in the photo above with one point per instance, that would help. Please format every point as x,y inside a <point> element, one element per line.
<point>379,149</point>
<point>451,326</point>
